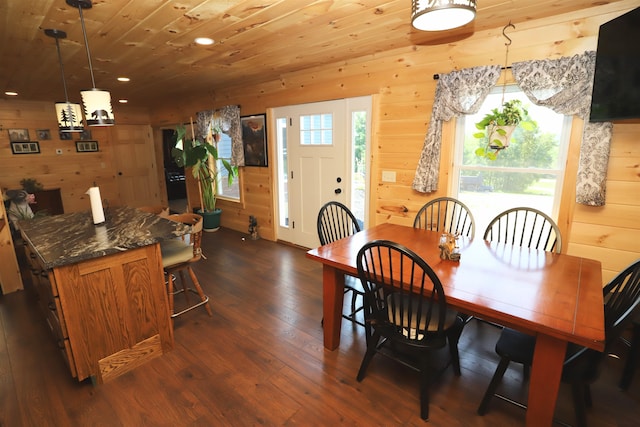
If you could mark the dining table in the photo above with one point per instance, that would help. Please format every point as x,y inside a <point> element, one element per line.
<point>553,296</point>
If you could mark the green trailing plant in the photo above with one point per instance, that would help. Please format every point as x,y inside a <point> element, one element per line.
<point>202,157</point>
<point>512,113</point>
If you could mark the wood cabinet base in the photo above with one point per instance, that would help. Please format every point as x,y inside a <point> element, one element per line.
<point>108,314</point>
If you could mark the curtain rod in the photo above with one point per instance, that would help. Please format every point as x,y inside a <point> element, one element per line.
<point>437,76</point>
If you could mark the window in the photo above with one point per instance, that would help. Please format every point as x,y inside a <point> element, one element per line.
<point>225,190</point>
<point>527,173</point>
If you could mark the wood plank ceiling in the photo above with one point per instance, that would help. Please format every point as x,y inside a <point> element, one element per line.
<point>152,41</point>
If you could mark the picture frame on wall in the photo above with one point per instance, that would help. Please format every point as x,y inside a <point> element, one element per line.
<point>43,134</point>
<point>26,147</point>
<point>254,140</point>
<point>87,146</point>
<point>65,136</point>
<point>18,135</point>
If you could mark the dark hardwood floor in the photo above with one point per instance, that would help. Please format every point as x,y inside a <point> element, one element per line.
<point>260,361</point>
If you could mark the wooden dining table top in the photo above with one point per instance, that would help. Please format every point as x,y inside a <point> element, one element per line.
<point>527,289</point>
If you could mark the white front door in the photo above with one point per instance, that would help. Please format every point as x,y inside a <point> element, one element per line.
<point>314,164</point>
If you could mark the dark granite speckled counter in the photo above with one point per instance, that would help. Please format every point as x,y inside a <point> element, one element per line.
<point>70,238</point>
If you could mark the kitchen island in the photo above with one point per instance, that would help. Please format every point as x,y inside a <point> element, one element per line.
<point>101,288</point>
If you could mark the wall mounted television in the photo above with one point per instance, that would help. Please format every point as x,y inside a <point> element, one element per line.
<point>616,83</point>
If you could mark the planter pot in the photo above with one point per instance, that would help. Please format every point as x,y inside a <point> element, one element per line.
<point>210,220</point>
<point>504,139</point>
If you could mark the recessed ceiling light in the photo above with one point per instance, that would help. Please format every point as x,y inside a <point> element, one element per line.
<point>204,41</point>
<point>123,79</point>
<point>123,101</point>
<point>11,93</point>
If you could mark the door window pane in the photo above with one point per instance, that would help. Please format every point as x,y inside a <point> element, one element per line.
<point>283,168</point>
<point>316,129</point>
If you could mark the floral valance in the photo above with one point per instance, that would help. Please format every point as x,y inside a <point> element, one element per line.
<point>228,120</point>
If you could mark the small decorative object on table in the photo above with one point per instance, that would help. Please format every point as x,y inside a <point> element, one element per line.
<point>448,247</point>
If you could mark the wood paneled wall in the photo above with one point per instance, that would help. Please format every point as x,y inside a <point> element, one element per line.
<point>403,87</point>
<point>70,171</point>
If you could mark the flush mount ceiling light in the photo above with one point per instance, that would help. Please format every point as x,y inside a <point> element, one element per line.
<point>439,15</point>
<point>69,115</point>
<point>97,103</point>
<point>204,41</point>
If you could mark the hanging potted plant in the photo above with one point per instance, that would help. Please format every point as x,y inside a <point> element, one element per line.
<point>202,157</point>
<point>498,125</point>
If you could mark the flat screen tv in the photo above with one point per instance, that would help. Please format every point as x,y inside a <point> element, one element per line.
<point>616,84</point>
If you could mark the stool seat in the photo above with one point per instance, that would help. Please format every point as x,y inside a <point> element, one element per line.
<point>175,252</point>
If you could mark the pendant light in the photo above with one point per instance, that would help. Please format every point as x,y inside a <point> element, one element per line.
<point>69,115</point>
<point>439,15</point>
<point>97,102</point>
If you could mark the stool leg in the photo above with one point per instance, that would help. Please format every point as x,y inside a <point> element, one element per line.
<point>196,283</point>
<point>171,285</point>
<point>184,286</point>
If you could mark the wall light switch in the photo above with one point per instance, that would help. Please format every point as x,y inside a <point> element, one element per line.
<point>388,176</point>
<point>58,150</point>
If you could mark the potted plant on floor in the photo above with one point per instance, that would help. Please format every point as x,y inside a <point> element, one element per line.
<point>202,157</point>
<point>498,125</point>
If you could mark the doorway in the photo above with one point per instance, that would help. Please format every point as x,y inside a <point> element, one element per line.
<point>173,175</point>
<point>321,156</point>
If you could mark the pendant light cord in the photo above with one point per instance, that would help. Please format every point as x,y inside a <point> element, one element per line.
<point>64,83</point>
<point>86,44</point>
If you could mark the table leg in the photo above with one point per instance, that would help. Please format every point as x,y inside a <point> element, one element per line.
<point>332,296</point>
<point>546,372</point>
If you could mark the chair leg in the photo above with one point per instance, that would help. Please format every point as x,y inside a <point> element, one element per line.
<point>425,382</point>
<point>354,297</point>
<point>368,356</point>
<point>453,338</point>
<point>493,385</point>
<point>579,393</point>
<point>632,359</point>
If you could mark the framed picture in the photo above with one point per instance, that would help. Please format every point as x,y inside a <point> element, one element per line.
<point>86,146</point>
<point>18,135</point>
<point>254,140</point>
<point>28,147</point>
<point>85,135</point>
<point>43,134</point>
<point>65,136</point>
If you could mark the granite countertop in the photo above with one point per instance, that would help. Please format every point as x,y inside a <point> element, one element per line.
<point>70,238</point>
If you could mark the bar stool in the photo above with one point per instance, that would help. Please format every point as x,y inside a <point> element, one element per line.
<point>177,256</point>
<point>159,210</point>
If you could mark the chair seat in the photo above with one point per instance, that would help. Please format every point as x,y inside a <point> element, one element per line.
<point>175,252</point>
<point>515,345</point>
<point>410,327</point>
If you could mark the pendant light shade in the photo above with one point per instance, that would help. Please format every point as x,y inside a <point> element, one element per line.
<point>97,102</point>
<point>97,107</point>
<point>439,15</point>
<point>69,115</point>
